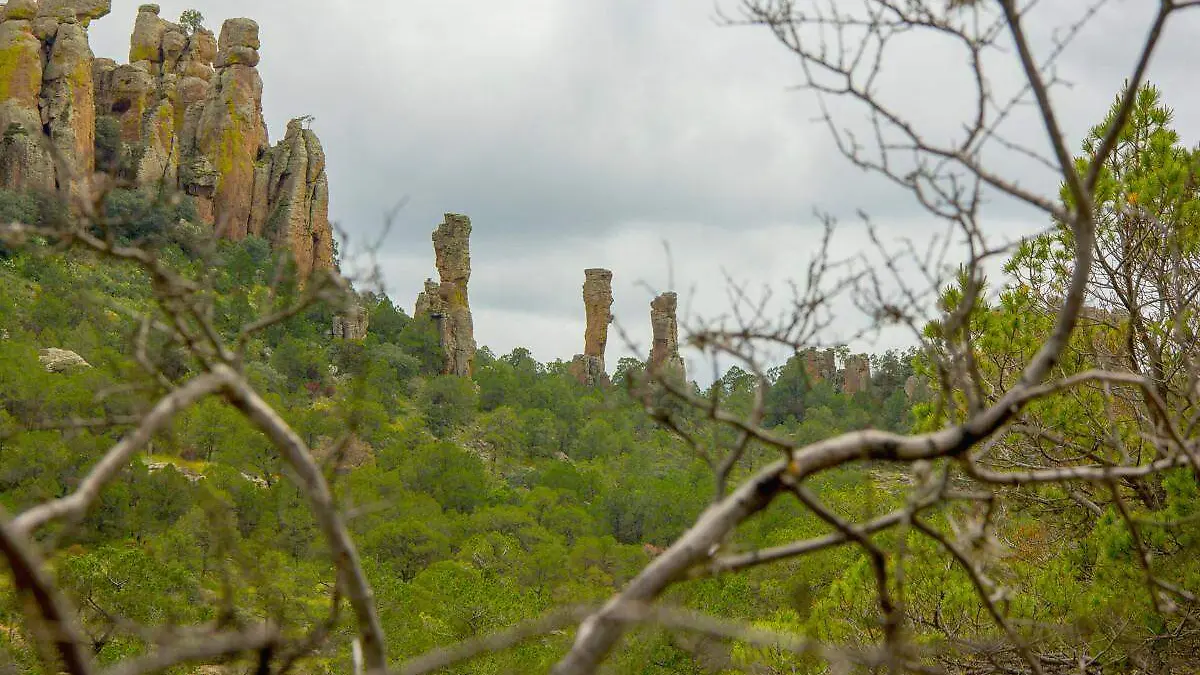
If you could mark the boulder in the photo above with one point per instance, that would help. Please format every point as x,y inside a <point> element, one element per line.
<point>61,360</point>
<point>20,9</point>
<point>82,11</point>
<point>239,33</point>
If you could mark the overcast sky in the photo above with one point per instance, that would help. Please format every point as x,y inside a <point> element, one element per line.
<point>586,133</point>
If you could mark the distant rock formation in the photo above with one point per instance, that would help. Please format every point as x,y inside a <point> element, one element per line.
<point>352,323</point>
<point>187,109</point>
<point>447,301</point>
<point>664,351</point>
<point>588,367</point>
<point>819,365</point>
<point>856,376</point>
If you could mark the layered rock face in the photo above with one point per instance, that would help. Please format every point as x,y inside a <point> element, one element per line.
<point>664,351</point>
<point>856,376</point>
<point>588,367</point>
<point>47,94</point>
<point>819,365</point>
<point>447,301</point>
<point>188,107</point>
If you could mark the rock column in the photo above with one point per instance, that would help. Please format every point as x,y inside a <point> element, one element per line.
<point>292,190</point>
<point>588,367</point>
<point>230,135</point>
<point>447,301</point>
<point>819,365</point>
<point>25,159</point>
<point>857,374</point>
<point>664,351</point>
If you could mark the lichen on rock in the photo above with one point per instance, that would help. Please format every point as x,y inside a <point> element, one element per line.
<point>291,199</point>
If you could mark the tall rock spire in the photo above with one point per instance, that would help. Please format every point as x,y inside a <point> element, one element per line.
<point>588,367</point>
<point>447,301</point>
<point>664,351</point>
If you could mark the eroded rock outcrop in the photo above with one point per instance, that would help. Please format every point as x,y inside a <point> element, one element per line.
<point>819,365</point>
<point>188,112</point>
<point>856,376</point>
<point>47,94</point>
<point>293,190</point>
<point>352,323</point>
<point>664,350</point>
<point>230,135</point>
<point>57,360</point>
<point>588,367</point>
<point>447,301</point>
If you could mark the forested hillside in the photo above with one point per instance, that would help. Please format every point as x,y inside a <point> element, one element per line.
<point>220,457</point>
<point>477,502</point>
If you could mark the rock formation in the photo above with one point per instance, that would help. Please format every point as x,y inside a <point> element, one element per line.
<point>48,110</point>
<point>293,189</point>
<point>352,323</point>
<point>664,351</point>
<point>447,301</point>
<point>61,360</point>
<point>819,365</point>
<point>188,110</point>
<point>588,367</point>
<point>856,376</point>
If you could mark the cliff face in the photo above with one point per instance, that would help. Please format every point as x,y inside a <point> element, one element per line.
<point>188,107</point>
<point>664,351</point>
<point>48,94</point>
<point>447,301</point>
<point>588,367</point>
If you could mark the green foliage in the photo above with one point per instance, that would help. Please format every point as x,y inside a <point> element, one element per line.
<point>191,20</point>
<point>145,216</point>
<point>109,148</point>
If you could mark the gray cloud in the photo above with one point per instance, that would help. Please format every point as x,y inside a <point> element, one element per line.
<point>585,133</point>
